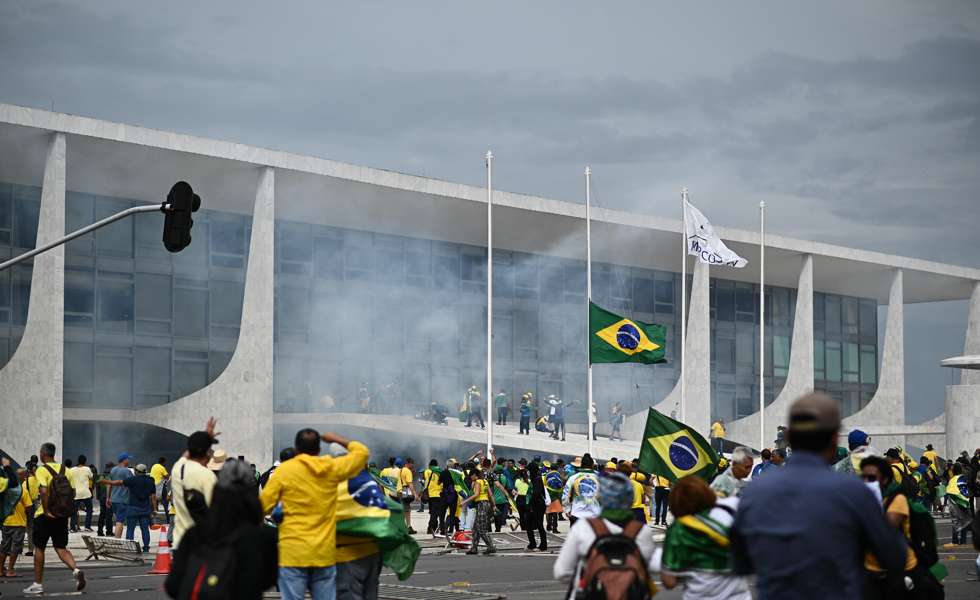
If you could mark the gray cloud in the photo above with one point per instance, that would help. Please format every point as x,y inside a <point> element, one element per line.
<point>855,133</point>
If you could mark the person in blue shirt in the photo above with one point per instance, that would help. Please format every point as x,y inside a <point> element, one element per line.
<point>765,464</point>
<point>819,523</point>
<point>119,498</point>
<point>525,424</point>
<point>142,499</point>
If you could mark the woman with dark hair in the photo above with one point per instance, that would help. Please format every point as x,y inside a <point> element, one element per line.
<point>233,523</point>
<point>480,498</point>
<point>537,502</point>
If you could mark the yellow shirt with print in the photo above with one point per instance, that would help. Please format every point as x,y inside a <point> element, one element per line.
<point>391,475</point>
<point>44,478</point>
<point>158,472</point>
<point>18,518</point>
<point>899,506</point>
<point>434,487</point>
<point>307,487</point>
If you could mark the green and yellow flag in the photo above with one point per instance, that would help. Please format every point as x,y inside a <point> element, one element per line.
<point>673,450</point>
<point>616,339</point>
<point>365,513</point>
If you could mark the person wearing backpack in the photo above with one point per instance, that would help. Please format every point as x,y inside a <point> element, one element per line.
<point>921,553</point>
<point>57,495</point>
<point>696,549</point>
<point>608,557</point>
<point>231,546</point>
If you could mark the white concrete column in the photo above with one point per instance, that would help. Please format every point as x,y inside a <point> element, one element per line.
<point>963,401</point>
<point>241,396</point>
<point>799,379</point>
<point>31,382</point>
<point>887,407</point>
<point>697,371</point>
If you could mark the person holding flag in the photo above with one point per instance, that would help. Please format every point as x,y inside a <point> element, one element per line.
<point>958,500</point>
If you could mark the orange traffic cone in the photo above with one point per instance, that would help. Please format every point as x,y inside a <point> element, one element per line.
<point>161,566</point>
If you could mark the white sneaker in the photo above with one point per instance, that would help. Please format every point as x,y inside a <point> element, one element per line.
<point>79,579</point>
<point>34,588</point>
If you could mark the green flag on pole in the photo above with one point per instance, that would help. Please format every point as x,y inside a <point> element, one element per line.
<point>673,450</point>
<point>616,339</point>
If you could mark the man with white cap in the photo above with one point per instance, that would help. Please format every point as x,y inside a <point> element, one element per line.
<point>139,506</point>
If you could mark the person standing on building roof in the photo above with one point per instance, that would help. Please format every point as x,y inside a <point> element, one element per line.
<point>501,404</point>
<point>472,405</point>
<point>718,435</point>
<point>526,407</point>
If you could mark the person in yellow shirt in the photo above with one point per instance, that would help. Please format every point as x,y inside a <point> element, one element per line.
<point>15,527</point>
<point>717,435</point>
<point>160,475</point>
<point>433,490</point>
<point>406,490</point>
<point>307,488</point>
<point>637,481</point>
<point>897,512</point>
<point>390,475</point>
<point>48,526</point>
<point>933,458</point>
<point>34,494</point>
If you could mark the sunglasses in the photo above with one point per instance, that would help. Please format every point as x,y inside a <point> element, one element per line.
<point>870,478</point>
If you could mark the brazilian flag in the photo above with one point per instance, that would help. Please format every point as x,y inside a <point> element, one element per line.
<point>616,339</point>
<point>365,513</point>
<point>673,450</point>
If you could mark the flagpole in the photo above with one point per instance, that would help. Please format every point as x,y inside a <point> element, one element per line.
<point>762,325</point>
<point>588,294</point>
<point>489,396</point>
<point>683,297</point>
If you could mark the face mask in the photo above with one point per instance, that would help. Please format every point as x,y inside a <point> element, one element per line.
<point>875,489</point>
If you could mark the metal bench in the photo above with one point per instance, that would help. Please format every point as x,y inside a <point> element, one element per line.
<point>114,548</point>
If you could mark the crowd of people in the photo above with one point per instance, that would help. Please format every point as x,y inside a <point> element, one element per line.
<point>806,520</point>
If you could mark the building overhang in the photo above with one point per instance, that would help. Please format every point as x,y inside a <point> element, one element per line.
<point>962,362</point>
<point>126,161</point>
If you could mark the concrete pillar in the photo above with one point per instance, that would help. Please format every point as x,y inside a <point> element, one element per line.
<point>697,370</point>
<point>887,407</point>
<point>241,397</point>
<point>963,401</point>
<point>799,379</point>
<point>31,382</point>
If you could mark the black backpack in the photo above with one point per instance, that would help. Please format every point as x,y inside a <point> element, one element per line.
<point>61,494</point>
<point>922,532</point>
<point>211,571</point>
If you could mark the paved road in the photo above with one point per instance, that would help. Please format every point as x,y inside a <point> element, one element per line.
<point>516,574</point>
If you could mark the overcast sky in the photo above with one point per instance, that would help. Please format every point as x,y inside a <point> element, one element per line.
<point>857,122</point>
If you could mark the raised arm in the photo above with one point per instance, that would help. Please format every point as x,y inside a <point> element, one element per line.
<point>353,462</point>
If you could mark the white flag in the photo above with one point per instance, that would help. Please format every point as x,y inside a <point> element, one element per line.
<point>703,242</point>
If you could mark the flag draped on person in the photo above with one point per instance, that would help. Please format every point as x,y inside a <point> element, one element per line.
<point>958,492</point>
<point>673,450</point>
<point>616,339</point>
<point>696,543</point>
<point>364,513</point>
<point>704,243</point>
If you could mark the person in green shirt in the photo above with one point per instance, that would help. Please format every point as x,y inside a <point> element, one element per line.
<point>500,402</point>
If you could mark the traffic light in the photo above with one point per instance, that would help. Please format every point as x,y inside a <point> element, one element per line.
<point>181,202</point>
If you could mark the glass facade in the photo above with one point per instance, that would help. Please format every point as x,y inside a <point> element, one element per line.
<point>144,327</point>
<point>406,319</point>
<point>403,317</point>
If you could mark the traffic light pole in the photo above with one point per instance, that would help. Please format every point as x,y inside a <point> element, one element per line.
<point>87,229</point>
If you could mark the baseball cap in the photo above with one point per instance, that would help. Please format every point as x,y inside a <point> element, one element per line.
<point>122,456</point>
<point>814,412</point>
<point>141,468</point>
<point>399,462</point>
<point>856,439</point>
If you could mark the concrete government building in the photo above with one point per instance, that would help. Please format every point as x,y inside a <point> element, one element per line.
<point>309,279</point>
